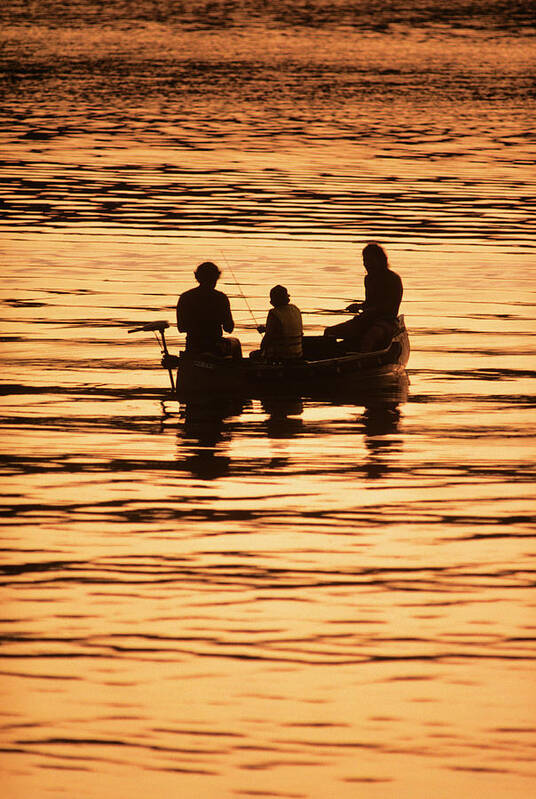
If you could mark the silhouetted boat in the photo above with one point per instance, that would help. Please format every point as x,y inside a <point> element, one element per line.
<point>212,375</point>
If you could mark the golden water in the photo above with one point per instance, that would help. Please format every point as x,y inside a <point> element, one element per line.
<point>290,599</point>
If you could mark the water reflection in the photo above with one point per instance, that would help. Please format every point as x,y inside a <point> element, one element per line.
<point>380,420</point>
<point>379,423</point>
<point>207,428</point>
<point>284,416</point>
<point>208,425</point>
<point>336,600</point>
<point>204,429</point>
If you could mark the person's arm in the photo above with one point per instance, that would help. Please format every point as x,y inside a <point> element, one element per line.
<point>272,329</point>
<point>227,321</point>
<point>368,304</point>
<point>398,293</point>
<point>181,317</point>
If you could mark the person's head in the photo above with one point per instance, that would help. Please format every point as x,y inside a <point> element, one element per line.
<point>207,274</point>
<point>279,296</point>
<point>374,257</point>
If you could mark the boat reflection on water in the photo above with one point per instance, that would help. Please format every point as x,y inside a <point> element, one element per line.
<point>207,427</point>
<point>204,431</point>
<point>379,423</point>
<point>379,420</point>
<point>284,416</point>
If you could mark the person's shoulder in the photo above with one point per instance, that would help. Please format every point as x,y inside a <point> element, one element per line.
<point>188,293</point>
<point>221,295</point>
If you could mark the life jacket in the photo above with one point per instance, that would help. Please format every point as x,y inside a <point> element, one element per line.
<point>289,343</point>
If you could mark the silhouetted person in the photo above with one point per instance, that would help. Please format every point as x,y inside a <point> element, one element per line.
<point>203,313</point>
<point>283,331</point>
<point>375,324</point>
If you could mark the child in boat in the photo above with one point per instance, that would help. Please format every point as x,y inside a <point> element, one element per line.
<point>283,331</point>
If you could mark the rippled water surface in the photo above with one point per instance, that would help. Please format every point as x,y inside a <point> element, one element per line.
<point>285,598</point>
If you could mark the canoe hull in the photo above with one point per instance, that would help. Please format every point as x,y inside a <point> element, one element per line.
<point>249,378</point>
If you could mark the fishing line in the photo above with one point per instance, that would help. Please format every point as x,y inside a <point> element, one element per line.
<point>239,286</point>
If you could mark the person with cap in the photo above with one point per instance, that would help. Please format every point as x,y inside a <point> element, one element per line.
<point>375,323</point>
<point>203,313</point>
<point>283,331</point>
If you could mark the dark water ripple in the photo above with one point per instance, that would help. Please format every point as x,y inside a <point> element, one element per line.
<point>257,205</point>
<point>494,14</point>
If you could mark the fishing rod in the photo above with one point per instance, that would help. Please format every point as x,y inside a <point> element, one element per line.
<point>239,286</point>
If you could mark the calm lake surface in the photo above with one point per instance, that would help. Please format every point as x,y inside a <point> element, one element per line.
<point>290,599</point>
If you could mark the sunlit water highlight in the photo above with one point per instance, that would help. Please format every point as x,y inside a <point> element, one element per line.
<point>294,598</point>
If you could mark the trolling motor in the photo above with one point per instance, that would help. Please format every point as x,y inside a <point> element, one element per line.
<point>168,361</point>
